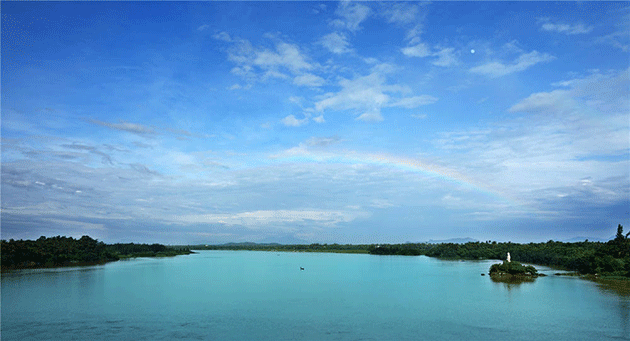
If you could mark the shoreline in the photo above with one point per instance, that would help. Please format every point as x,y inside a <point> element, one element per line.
<point>86,264</point>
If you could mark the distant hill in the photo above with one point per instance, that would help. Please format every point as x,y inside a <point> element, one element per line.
<point>247,244</point>
<point>581,239</point>
<point>284,240</point>
<point>452,240</point>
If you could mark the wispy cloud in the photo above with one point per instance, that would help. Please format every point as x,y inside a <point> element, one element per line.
<point>400,13</point>
<point>351,15</point>
<point>256,64</point>
<point>417,50</point>
<point>323,141</point>
<point>143,169</point>
<point>419,116</point>
<point>286,55</point>
<point>336,42</point>
<point>319,119</point>
<point>522,63</point>
<point>446,57</point>
<point>308,79</point>
<point>367,95</point>
<point>224,36</point>
<point>414,102</point>
<point>255,219</point>
<point>126,126</point>
<point>291,121</point>
<point>605,93</point>
<point>547,25</point>
<point>620,37</point>
<point>543,155</point>
<point>107,159</point>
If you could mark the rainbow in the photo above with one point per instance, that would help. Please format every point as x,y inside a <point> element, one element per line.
<point>300,155</point>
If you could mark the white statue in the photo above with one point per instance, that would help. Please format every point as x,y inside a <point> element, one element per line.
<point>509,259</point>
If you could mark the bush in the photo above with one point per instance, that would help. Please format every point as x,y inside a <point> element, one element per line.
<point>513,268</point>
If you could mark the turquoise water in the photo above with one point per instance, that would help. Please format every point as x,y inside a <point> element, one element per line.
<point>234,295</point>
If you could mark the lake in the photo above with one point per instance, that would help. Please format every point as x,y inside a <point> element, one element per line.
<point>249,295</point>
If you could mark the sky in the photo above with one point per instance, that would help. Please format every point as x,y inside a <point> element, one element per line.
<point>303,122</point>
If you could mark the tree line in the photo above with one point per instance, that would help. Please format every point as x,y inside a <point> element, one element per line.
<point>66,251</point>
<point>610,258</point>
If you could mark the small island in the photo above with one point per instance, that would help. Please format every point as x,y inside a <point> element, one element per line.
<point>513,271</point>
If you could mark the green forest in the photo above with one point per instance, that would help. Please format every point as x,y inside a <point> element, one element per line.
<point>67,251</point>
<point>611,258</point>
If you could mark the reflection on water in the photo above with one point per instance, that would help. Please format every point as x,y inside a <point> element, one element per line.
<point>512,282</point>
<point>232,295</point>
<point>621,289</point>
<point>618,287</point>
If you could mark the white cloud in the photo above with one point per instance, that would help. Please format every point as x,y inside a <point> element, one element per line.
<point>370,60</point>
<point>259,64</point>
<point>274,74</point>
<point>400,13</point>
<point>323,141</point>
<point>524,61</point>
<point>367,95</point>
<point>566,135</point>
<point>300,150</point>
<point>222,36</point>
<point>418,50</point>
<point>564,28</point>
<point>413,35</point>
<point>372,116</point>
<point>414,102</point>
<point>203,27</point>
<point>363,93</point>
<point>352,14</point>
<point>446,57</point>
<point>286,55</point>
<point>309,79</point>
<point>617,39</point>
<point>291,121</point>
<point>336,43</point>
<point>620,38</point>
<point>234,87</point>
<point>381,203</point>
<point>319,9</point>
<point>254,219</point>
<point>599,93</point>
<point>296,99</point>
<point>126,126</point>
<point>420,116</point>
<point>561,100</point>
<point>319,119</point>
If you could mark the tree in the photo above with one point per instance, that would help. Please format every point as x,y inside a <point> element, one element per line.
<point>620,236</point>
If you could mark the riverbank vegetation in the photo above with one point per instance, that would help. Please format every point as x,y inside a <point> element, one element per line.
<point>67,251</point>
<point>513,272</point>
<point>610,259</point>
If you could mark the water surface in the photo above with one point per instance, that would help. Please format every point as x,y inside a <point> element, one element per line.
<point>248,295</point>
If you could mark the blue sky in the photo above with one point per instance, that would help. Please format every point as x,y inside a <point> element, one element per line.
<point>350,122</point>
